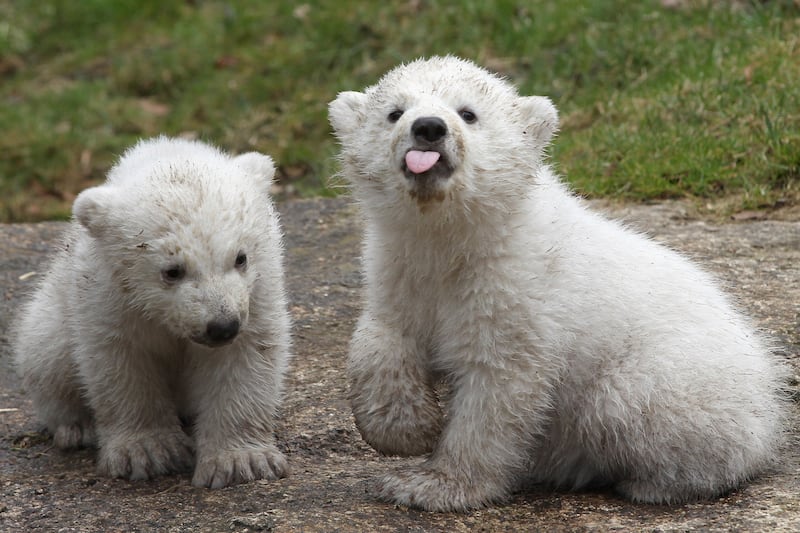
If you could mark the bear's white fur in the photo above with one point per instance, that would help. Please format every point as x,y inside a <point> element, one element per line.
<point>167,303</point>
<point>577,352</point>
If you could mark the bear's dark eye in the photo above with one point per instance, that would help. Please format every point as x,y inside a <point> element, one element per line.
<point>241,261</point>
<point>173,274</point>
<point>395,115</point>
<point>467,116</point>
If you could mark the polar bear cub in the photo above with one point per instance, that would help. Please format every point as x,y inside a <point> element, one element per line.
<point>166,303</point>
<point>577,352</point>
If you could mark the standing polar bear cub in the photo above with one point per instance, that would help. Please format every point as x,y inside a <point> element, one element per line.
<point>167,303</point>
<point>577,352</point>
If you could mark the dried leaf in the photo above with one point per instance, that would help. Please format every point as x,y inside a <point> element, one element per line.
<point>749,215</point>
<point>153,108</point>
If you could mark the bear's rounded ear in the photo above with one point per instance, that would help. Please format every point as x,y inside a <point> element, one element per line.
<point>257,164</point>
<point>346,113</point>
<point>93,209</point>
<point>539,117</point>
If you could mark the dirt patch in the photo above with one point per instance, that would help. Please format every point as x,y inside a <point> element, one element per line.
<point>333,471</point>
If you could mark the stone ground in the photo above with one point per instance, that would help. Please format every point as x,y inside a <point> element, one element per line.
<point>331,486</point>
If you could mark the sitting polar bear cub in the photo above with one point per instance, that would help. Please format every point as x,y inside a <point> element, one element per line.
<point>576,352</point>
<point>167,302</point>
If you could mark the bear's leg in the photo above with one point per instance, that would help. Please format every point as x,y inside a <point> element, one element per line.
<point>138,429</point>
<point>692,456</point>
<point>56,394</point>
<point>391,392</point>
<point>494,417</point>
<point>236,393</point>
<point>667,437</point>
<point>59,404</point>
<point>49,375</point>
<point>684,473</point>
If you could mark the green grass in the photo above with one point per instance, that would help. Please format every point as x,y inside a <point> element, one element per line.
<point>700,101</point>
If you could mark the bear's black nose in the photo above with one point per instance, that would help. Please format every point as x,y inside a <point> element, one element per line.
<point>222,331</point>
<point>429,129</point>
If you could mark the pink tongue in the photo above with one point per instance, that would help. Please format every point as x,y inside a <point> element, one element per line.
<point>418,162</point>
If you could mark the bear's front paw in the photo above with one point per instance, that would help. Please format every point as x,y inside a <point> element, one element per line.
<point>399,428</point>
<point>436,490</point>
<point>143,456</point>
<point>239,466</point>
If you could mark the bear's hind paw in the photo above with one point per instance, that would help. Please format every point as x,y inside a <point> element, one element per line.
<point>671,492</point>
<point>71,436</point>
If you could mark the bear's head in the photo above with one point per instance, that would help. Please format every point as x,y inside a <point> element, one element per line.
<point>187,233</point>
<point>438,129</point>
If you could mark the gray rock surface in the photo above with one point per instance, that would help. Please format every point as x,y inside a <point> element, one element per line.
<point>331,486</point>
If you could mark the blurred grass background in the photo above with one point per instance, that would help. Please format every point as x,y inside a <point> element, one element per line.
<point>658,98</point>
